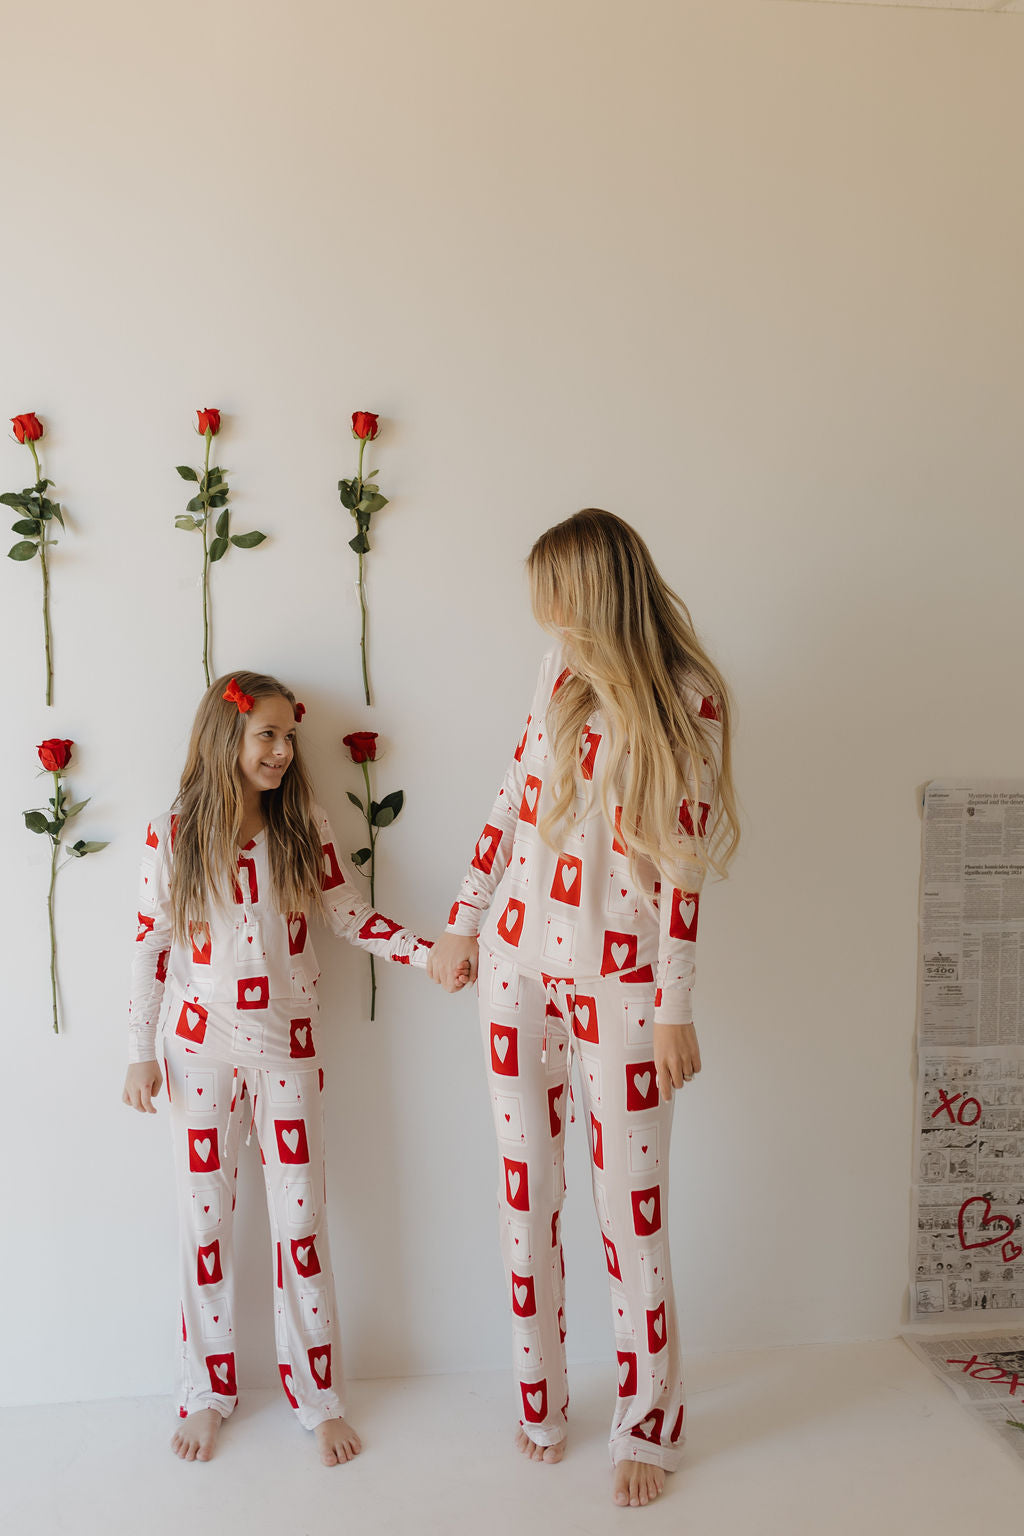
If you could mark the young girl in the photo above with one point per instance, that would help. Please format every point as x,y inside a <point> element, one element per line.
<point>225,972</point>
<point>584,889</point>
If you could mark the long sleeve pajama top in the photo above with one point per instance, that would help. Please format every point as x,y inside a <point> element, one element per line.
<point>576,911</point>
<point>244,988</point>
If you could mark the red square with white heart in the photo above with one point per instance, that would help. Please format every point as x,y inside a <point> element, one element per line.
<point>298,928</point>
<point>531,799</point>
<point>597,1141</point>
<point>535,1401</point>
<point>221,1369</point>
<point>246,882</point>
<point>646,1210</point>
<point>657,1337</point>
<point>619,953</point>
<point>300,1038</point>
<point>203,1153</point>
<point>292,1146</point>
<point>285,1372</point>
<point>505,1050</point>
<point>191,1023</point>
<point>588,751</point>
<point>253,992</point>
<point>331,876</point>
<point>682,923</point>
<point>641,1086</point>
<point>524,1300</point>
<point>487,847</point>
<point>567,882</point>
<point>611,1258</point>
<point>378,926</point>
<point>584,1019</point>
<point>627,1373</point>
<point>320,1365</point>
<point>304,1255</point>
<point>201,941</point>
<point>208,1266</point>
<point>555,1098</point>
<point>517,1187</point>
<point>510,923</point>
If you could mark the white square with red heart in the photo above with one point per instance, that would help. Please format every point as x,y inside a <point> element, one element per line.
<point>313,1310</point>
<point>215,1319</point>
<point>652,1269</point>
<point>520,865</point>
<point>526,1348</point>
<point>206,1209</point>
<point>283,1088</point>
<point>200,1091</point>
<point>248,944</point>
<point>642,1145</point>
<point>639,1022</point>
<point>298,1202</point>
<point>248,1037</point>
<point>621,900</point>
<point>519,1242</point>
<point>504,985</point>
<point>508,1117</point>
<point>559,939</point>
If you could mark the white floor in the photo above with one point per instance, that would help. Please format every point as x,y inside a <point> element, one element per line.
<point>817,1441</point>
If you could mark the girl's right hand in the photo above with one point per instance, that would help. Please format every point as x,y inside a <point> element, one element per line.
<point>453,960</point>
<point>141,1086</point>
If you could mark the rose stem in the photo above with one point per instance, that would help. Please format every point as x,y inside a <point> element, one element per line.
<point>55,845</point>
<point>46,584</point>
<point>206,557</point>
<point>373,855</point>
<point>362,586</point>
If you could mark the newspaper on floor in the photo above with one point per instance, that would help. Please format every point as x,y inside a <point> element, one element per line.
<point>986,1373</point>
<point>967,1245</point>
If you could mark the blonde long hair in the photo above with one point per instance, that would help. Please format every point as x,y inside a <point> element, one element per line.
<point>209,810</point>
<point>633,655</point>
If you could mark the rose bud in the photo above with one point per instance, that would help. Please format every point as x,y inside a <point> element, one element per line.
<point>27,428</point>
<point>365,425</point>
<point>362,746</point>
<point>299,711</point>
<point>54,754</point>
<point>208,420</point>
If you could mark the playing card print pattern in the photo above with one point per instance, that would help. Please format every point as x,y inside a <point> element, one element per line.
<point>580,910</point>
<point>243,987</point>
<point>213,1106</point>
<point>532,1028</point>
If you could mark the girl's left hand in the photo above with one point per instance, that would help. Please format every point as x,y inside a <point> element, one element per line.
<point>676,1056</point>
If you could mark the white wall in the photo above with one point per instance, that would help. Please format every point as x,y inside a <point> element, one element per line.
<point>747,274</point>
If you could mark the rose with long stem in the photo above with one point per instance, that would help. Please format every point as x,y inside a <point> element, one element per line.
<point>36,511</point>
<point>362,746</point>
<point>362,498</point>
<point>54,755</point>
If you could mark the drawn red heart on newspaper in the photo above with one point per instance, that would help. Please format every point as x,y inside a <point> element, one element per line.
<point>988,1220</point>
<point>1011,1252</point>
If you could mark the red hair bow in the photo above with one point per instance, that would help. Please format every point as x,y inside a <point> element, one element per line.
<point>234,695</point>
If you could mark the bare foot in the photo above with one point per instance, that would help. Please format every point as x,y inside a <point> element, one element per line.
<point>637,1482</point>
<point>538,1452</point>
<point>196,1439</point>
<point>338,1442</point>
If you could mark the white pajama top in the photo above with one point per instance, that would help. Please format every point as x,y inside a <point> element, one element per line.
<point>576,911</point>
<point>244,988</point>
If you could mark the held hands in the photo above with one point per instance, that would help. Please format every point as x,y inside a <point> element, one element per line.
<point>676,1056</point>
<point>141,1086</point>
<point>453,960</point>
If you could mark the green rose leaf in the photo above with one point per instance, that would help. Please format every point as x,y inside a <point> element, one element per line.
<point>347,494</point>
<point>222,525</point>
<point>35,821</point>
<point>215,476</point>
<point>20,503</point>
<point>53,827</point>
<point>360,544</point>
<point>90,848</point>
<point>73,810</point>
<point>185,522</point>
<point>186,473</point>
<point>372,504</point>
<point>195,505</point>
<point>356,801</point>
<point>58,514</point>
<point>360,858</point>
<point>219,498</point>
<point>394,801</point>
<point>384,817</point>
<point>22,551</point>
<point>218,549</point>
<point>26,525</point>
<point>248,540</point>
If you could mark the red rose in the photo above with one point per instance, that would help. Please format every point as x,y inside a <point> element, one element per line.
<point>299,711</point>
<point>362,746</point>
<point>208,420</point>
<point>365,425</point>
<point>28,428</point>
<point>55,754</point>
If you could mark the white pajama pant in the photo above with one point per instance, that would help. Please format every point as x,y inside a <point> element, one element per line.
<point>531,1030</point>
<point>214,1105</point>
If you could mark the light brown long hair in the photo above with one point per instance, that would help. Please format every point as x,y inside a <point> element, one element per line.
<point>209,810</point>
<point>634,656</point>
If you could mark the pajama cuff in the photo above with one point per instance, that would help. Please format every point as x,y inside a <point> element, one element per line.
<point>673,1010</point>
<point>468,926</point>
<point>141,1047</point>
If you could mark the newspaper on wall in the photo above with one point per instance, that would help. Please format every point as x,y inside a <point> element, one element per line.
<point>967,1248</point>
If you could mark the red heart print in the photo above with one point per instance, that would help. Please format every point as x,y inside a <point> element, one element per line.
<point>987,1220</point>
